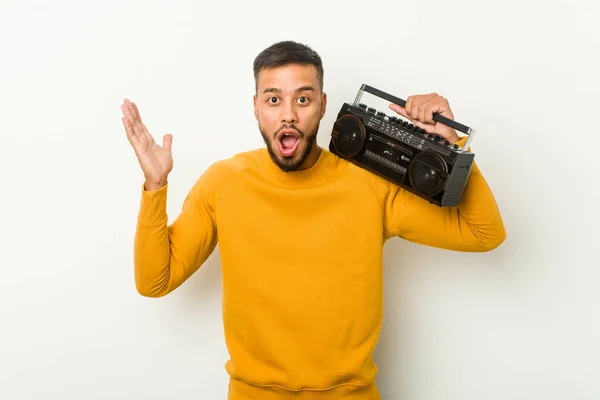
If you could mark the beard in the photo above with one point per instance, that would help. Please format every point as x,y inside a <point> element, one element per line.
<point>293,162</point>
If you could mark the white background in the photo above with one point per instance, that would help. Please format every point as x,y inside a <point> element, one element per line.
<point>520,322</point>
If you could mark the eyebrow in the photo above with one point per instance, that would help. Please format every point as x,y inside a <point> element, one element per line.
<point>300,89</point>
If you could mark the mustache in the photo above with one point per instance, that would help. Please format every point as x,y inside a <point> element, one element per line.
<point>289,127</point>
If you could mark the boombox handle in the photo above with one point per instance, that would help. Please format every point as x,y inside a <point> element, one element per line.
<point>437,117</point>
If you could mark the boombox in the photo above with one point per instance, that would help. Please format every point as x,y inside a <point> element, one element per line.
<point>404,154</point>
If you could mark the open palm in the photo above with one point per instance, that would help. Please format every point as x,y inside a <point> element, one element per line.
<point>156,161</point>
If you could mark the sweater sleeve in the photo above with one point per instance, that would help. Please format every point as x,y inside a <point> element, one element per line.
<point>166,255</point>
<point>475,225</point>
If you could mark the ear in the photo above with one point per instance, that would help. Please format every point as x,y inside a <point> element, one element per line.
<point>323,104</point>
<point>255,108</point>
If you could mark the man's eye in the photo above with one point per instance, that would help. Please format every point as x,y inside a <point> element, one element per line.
<point>303,100</point>
<point>273,100</point>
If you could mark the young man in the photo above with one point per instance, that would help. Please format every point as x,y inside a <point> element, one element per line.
<point>301,235</point>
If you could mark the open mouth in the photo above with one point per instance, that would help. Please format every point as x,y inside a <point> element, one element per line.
<point>288,141</point>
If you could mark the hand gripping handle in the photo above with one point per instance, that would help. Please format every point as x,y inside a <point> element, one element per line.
<point>436,117</point>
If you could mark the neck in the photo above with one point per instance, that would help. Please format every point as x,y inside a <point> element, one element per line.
<point>314,166</point>
<point>312,158</point>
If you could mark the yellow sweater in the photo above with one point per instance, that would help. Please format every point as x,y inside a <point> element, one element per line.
<point>301,258</point>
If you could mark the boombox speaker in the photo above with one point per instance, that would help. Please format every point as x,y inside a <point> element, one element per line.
<point>404,154</point>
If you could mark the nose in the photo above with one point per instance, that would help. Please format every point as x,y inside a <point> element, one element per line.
<point>288,114</point>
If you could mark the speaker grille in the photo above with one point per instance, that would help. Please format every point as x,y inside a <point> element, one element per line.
<point>427,173</point>
<point>349,135</point>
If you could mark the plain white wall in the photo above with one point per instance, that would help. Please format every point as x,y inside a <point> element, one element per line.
<point>520,322</point>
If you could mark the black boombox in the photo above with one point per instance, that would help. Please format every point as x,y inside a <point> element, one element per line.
<point>393,148</point>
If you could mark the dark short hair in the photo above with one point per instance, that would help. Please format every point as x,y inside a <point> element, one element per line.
<point>285,53</point>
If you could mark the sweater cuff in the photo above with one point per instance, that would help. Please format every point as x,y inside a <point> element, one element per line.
<point>153,206</point>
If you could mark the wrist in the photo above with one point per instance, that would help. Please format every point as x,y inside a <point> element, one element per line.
<point>151,186</point>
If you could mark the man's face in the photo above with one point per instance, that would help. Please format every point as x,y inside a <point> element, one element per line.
<point>288,106</point>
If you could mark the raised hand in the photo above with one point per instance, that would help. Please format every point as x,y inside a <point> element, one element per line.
<point>419,109</point>
<point>156,161</point>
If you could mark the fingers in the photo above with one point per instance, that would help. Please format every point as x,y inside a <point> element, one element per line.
<point>134,110</point>
<point>137,133</point>
<point>167,141</point>
<point>400,110</point>
<point>422,125</point>
<point>138,120</point>
<point>427,109</point>
<point>131,107</point>
<point>422,108</point>
<point>137,112</point>
<point>134,140</point>
<point>133,116</point>
<point>410,116</point>
<point>413,109</point>
<point>416,107</point>
<point>128,111</point>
